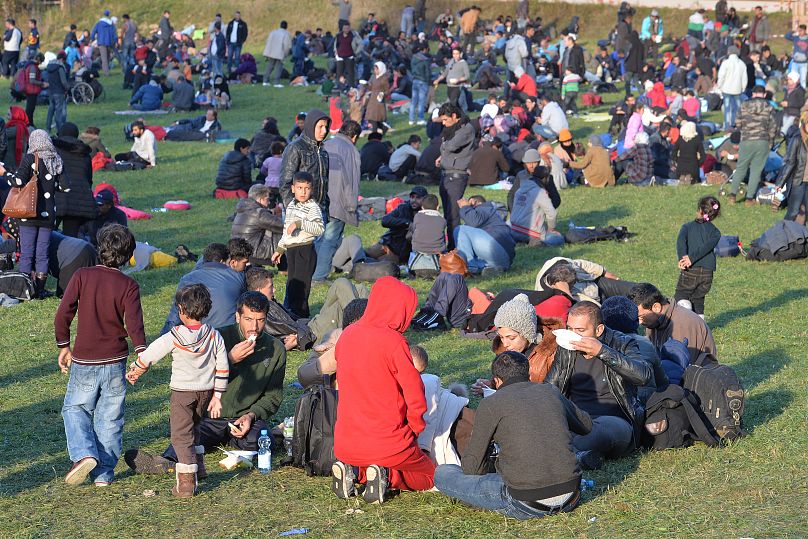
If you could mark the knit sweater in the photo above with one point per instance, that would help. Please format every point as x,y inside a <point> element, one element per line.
<point>428,231</point>
<point>678,323</point>
<point>309,220</point>
<point>108,306</point>
<point>697,240</point>
<point>256,382</point>
<point>199,358</point>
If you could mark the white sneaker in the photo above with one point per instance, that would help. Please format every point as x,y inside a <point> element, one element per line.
<point>420,122</point>
<point>411,123</point>
<point>279,86</point>
<point>266,84</point>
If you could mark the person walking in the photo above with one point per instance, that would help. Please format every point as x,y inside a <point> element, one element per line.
<point>235,35</point>
<point>758,128</point>
<point>278,45</point>
<point>128,33</point>
<point>12,38</point>
<point>106,35</point>
<point>57,92</point>
<point>455,158</point>
<point>732,81</point>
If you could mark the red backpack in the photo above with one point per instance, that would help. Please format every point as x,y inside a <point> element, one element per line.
<point>22,80</point>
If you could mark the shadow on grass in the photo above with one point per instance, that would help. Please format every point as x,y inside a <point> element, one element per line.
<point>602,217</point>
<point>763,407</point>
<point>31,373</point>
<point>756,369</point>
<point>778,301</point>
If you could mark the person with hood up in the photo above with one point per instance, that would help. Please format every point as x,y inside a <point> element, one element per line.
<point>17,130</point>
<point>76,206</point>
<point>107,36</point>
<point>306,153</point>
<point>378,90</point>
<point>388,415</point>
<point>595,164</point>
<point>148,97</point>
<point>235,169</point>
<point>56,75</point>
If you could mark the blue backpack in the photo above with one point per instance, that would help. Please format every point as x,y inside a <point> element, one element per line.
<point>675,358</point>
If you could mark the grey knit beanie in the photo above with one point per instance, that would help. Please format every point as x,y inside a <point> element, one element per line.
<point>519,315</point>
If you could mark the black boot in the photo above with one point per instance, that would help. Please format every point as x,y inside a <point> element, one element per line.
<point>39,282</point>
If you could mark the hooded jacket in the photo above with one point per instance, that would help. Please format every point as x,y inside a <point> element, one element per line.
<point>486,217</point>
<point>381,396</point>
<point>104,31</point>
<point>259,226</point>
<point>77,174</point>
<point>56,75</point>
<point>344,166</point>
<point>150,96</point>
<point>533,212</point>
<point>457,148</point>
<point>793,172</point>
<point>732,76</point>
<point>308,155</point>
<point>234,172</point>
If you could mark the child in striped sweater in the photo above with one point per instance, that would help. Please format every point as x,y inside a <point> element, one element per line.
<point>569,91</point>
<point>302,225</point>
<point>199,375</point>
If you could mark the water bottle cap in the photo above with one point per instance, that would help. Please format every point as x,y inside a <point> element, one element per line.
<point>263,432</point>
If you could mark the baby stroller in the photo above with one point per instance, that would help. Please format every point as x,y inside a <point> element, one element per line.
<point>84,86</point>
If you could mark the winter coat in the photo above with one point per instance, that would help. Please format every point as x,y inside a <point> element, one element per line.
<point>540,355</point>
<point>636,54</point>
<point>795,99</point>
<point>596,166</point>
<point>182,96</point>
<point>533,212</point>
<point>381,396</point>
<point>378,88</point>
<point>688,156</point>
<point>306,154</point>
<point>259,226</point>
<point>732,76</point>
<point>486,217</point>
<point>56,76</point>
<point>221,45</point>
<point>150,97</point>
<point>344,166</point>
<point>516,52</point>
<point>261,143</point>
<point>46,188</point>
<point>278,45</point>
<point>241,32</point>
<point>626,369</point>
<point>575,60</point>
<point>456,152</point>
<point>443,409</point>
<point>234,172</point>
<point>77,174</point>
<point>104,31</point>
<point>793,172</point>
<point>756,120</point>
<point>398,224</point>
<point>486,162</point>
<point>586,275</point>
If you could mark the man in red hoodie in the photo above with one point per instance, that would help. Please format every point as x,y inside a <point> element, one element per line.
<point>381,400</point>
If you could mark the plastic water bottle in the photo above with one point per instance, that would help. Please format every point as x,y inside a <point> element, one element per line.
<point>288,434</point>
<point>264,453</point>
<point>571,225</point>
<point>587,484</point>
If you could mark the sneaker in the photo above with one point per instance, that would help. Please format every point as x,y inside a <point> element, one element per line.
<point>342,480</point>
<point>410,123</point>
<point>589,460</point>
<point>266,84</point>
<point>101,483</point>
<point>376,485</point>
<point>80,470</point>
<point>420,122</point>
<point>144,462</point>
<point>491,271</point>
<point>279,86</point>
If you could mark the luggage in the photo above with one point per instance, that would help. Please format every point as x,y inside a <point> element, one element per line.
<point>452,262</point>
<point>371,208</point>
<point>591,235</point>
<point>727,246</point>
<point>371,271</point>
<point>714,101</point>
<point>721,397</point>
<point>449,297</point>
<point>17,285</point>
<point>765,195</point>
<point>606,88</point>
<point>673,419</point>
<point>313,438</point>
<point>591,99</point>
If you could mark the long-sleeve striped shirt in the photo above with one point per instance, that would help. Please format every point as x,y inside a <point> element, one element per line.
<point>199,358</point>
<point>309,220</point>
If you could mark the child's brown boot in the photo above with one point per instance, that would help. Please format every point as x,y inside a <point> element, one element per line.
<point>186,481</point>
<point>201,472</point>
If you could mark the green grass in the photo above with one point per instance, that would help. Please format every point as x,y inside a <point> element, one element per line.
<point>753,488</point>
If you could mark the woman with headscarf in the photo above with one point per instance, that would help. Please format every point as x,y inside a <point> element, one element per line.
<point>43,165</point>
<point>17,131</point>
<point>378,90</point>
<point>76,206</point>
<point>688,154</point>
<point>595,164</point>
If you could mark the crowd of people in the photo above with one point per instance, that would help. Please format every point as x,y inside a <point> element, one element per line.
<point>228,335</point>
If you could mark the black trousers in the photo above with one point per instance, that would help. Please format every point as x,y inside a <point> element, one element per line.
<point>453,93</point>
<point>85,259</point>
<point>347,67</point>
<point>693,285</point>
<point>30,107</point>
<point>612,287</point>
<point>406,167</point>
<point>132,157</point>
<point>301,263</point>
<point>8,65</point>
<point>452,188</point>
<point>72,225</point>
<point>213,433</point>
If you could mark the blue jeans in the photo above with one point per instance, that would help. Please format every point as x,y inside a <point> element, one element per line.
<point>420,94</point>
<point>544,132</point>
<point>796,197</point>
<point>802,69</point>
<point>731,105</point>
<point>326,245</point>
<point>216,65</point>
<point>93,415</point>
<point>34,246</point>
<point>610,436</point>
<point>487,492</point>
<point>57,111</point>
<point>233,54</point>
<point>480,250</point>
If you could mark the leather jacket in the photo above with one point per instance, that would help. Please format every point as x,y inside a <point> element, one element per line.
<point>793,172</point>
<point>625,368</point>
<point>259,226</point>
<point>305,154</point>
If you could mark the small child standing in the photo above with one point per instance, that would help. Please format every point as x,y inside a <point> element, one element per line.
<point>428,236</point>
<point>694,247</point>
<point>271,170</point>
<point>108,306</point>
<point>302,225</point>
<point>569,91</point>
<point>199,374</point>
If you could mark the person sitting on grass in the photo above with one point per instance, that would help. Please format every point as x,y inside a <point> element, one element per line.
<point>108,305</point>
<point>234,176</point>
<point>144,150</point>
<point>255,390</point>
<point>521,418</point>
<point>484,239</point>
<point>199,374</point>
<point>533,216</point>
<point>148,97</point>
<point>393,245</point>
<point>202,127</point>
<point>427,232</point>
<point>258,224</point>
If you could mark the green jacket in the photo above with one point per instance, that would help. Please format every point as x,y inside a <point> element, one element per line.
<point>256,383</point>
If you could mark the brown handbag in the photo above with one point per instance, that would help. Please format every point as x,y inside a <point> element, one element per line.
<point>21,201</point>
<point>452,262</point>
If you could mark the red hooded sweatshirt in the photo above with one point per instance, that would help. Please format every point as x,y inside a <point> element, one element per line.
<point>381,396</point>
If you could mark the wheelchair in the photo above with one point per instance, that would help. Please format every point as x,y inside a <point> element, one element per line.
<point>84,88</point>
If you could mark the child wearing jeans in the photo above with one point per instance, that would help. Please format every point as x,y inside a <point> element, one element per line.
<point>302,225</point>
<point>108,306</point>
<point>694,247</point>
<point>199,374</point>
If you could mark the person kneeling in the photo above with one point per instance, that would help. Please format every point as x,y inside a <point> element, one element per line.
<point>522,419</point>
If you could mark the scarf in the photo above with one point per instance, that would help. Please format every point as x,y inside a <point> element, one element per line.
<point>39,144</point>
<point>381,67</point>
<point>19,121</point>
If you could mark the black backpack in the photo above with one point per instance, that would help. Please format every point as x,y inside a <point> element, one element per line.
<point>721,397</point>
<point>591,235</point>
<point>313,438</point>
<point>679,419</point>
<point>370,271</point>
<point>17,285</point>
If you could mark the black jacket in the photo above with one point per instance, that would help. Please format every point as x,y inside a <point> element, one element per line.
<point>636,55</point>
<point>793,170</point>
<point>241,33</point>
<point>794,101</point>
<point>575,60</point>
<point>259,226</point>
<point>280,323</point>
<point>47,185</point>
<point>260,145</point>
<point>373,155</point>
<point>308,155</point>
<point>234,172</point>
<point>77,174</point>
<point>626,370</point>
<point>398,222</point>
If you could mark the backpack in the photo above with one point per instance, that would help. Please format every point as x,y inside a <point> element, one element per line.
<point>716,177</point>
<point>714,101</point>
<point>721,397</point>
<point>590,99</point>
<point>22,86</point>
<point>313,438</point>
<point>424,265</point>
<point>727,246</point>
<point>370,271</point>
<point>17,285</point>
<point>591,235</point>
<point>678,420</point>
